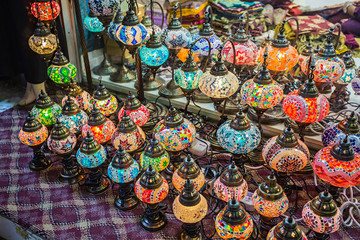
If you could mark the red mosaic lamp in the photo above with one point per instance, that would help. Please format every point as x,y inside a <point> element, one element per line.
<point>45,10</point>
<point>137,111</point>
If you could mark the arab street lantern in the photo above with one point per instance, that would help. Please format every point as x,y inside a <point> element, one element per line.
<point>45,110</point>
<point>93,24</point>
<point>104,101</point>
<point>45,10</point>
<point>80,96</point>
<point>34,134</point>
<point>100,126</point>
<point>322,215</point>
<point>154,155</point>
<point>336,132</point>
<point>188,170</point>
<point>72,117</point>
<point>231,185</point>
<point>61,70</point>
<point>137,111</point>
<point>102,8</point>
<point>338,165</point>
<point>285,230</point>
<point>285,153</point>
<point>233,222</point>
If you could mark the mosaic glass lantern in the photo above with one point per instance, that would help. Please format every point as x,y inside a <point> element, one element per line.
<point>285,230</point>
<point>269,199</point>
<point>188,76</point>
<point>154,53</point>
<point>154,155</point>
<point>321,214</point>
<point>45,110</point>
<point>93,24</point>
<point>137,111</point>
<point>188,170</point>
<point>338,165</point>
<point>282,56</point>
<point>336,132</point>
<point>350,70</point>
<point>285,153</point>
<point>123,169</point>
<point>175,132</point>
<point>152,188</point>
<point>80,96</point>
<point>45,10</point>
<point>231,185</point>
<point>72,117</point>
<point>34,134</point>
<point>43,42</point>
<point>115,23</point>
<point>129,136</point>
<point>103,7</point>
<point>308,50</point>
<point>104,101</point>
<point>233,222</point>
<point>61,70</point>
<point>190,207</point>
<point>238,136</point>
<point>151,28</point>
<point>101,127</point>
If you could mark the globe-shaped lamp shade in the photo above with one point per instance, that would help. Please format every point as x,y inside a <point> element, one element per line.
<point>231,185</point>
<point>154,155</point>
<point>188,170</point>
<point>137,111</point>
<point>61,140</point>
<point>286,153</point>
<point>80,96</point>
<point>280,59</point>
<point>151,187</point>
<point>123,168</point>
<point>233,222</point>
<point>334,133</point>
<point>115,23</point>
<point>245,53</point>
<point>154,57</point>
<point>72,116</point>
<point>93,24</point>
<point>201,47</point>
<point>149,30</point>
<point>188,80</point>
<point>174,132</point>
<point>45,110</point>
<point>61,70</point>
<point>33,133</point>
<point>103,7</point>
<point>338,165</point>
<point>176,38</point>
<point>42,42</point>
<point>131,35</point>
<point>45,10</point>
<point>321,214</point>
<point>286,229</point>
<point>90,154</point>
<point>348,76</point>
<point>104,101</point>
<point>269,200</point>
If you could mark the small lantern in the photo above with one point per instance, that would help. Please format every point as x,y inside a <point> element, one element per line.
<point>61,70</point>
<point>80,96</point>
<point>72,116</point>
<point>93,24</point>
<point>104,101</point>
<point>154,53</point>
<point>43,42</point>
<point>188,76</point>
<point>285,230</point>
<point>103,8</point>
<point>45,110</point>
<point>45,10</point>
<point>137,111</point>
<point>154,155</point>
<point>115,23</point>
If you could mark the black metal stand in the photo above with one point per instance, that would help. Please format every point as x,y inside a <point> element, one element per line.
<point>39,161</point>
<point>70,173</point>
<point>126,199</point>
<point>153,219</point>
<point>191,232</point>
<point>96,183</point>
<point>266,224</point>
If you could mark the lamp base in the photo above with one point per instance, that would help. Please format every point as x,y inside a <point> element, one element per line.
<point>191,232</point>
<point>39,162</point>
<point>232,107</point>
<point>211,137</point>
<point>338,98</point>
<point>153,219</point>
<point>171,90</point>
<point>105,68</point>
<point>307,130</point>
<point>70,173</point>
<point>150,83</point>
<point>126,199</point>
<point>175,161</point>
<point>201,98</point>
<point>96,184</point>
<point>266,224</point>
<point>122,75</point>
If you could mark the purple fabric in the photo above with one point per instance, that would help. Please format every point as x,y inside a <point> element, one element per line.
<point>352,26</point>
<point>350,41</point>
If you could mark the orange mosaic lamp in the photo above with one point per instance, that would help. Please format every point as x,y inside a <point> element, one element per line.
<point>183,54</point>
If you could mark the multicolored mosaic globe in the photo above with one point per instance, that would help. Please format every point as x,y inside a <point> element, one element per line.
<point>218,86</point>
<point>45,10</point>
<point>270,208</point>
<point>62,74</point>
<point>159,163</point>
<point>93,24</point>
<point>74,122</point>
<point>226,193</point>
<point>62,146</point>
<point>201,47</point>
<point>140,116</point>
<point>123,175</point>
<point>131,35</point>
<point>176,38</point>
<point>130,141</point>
<point>332,135</point>
<point>154,57</point>
<point>103,7</point>
<point>152,196</point>
<point>33,138</point>
<point>106,106</point>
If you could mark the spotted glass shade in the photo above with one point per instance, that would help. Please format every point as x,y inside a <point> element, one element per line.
<point>355,84</point>
<point>106,106</point>
<point>326,69</point>
<point>238,141</point>
<point>91,160</point>
<point>124,175</point>
<point>33,138</point>
<point>332,135</point>
<point>159,163</point>
<point>149,30</point>
<point>176,38</point>
<point>47,116</point>
<point>227,231</point>
<point>131,35</point>
<point>151,196</point>
<point>175,138</point>
<point>82,100</point>
<point>201,47</point>
<point>270,208</point>
<point>188,80</point>
<point>190,214</point>
<point>280,59</point>
<point>179,182</point>
<point>154,57</point>
<point>336,172</point>
<point>245,53</point>
<point>93,24</point>
<point>140,116</point>
<point>101,133</point>
<point>285,159</point>
<point>321,224</point>
<point>43,45</point>
<point>45,10</point>
<point>62,146</point>
<point>271,234</point>
<point>103,7</point>
<point>74,122</point>
<point>130,141</point>
<point>348,76</point>
<point>62,74</point>
<point>306,110</point>
<point>261,96</point>
<point>226,193</point>
<point>218,86</point>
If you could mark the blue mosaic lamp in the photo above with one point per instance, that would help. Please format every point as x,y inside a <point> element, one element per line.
<point>72,116</point>
<point>93,24</point>
<point>123,169</point>
<point>115,23</point>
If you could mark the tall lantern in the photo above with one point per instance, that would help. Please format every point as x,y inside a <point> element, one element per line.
<point>43,42</point>
<point>61,70</point>
<point>45,10</point>
<point>137,111</point>
<point>72,116</point>
<point>45,110</point>
<point>104,100</point>
<point>286,230</point>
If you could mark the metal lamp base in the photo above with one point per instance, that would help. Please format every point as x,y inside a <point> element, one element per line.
<point>126,199</point>
<point>307,130</point>
<point>122,75</point>
<point>105,68</point>
<point>201,98</point>
<point>96,183</point>
<point>191,232</point>
<point>153,219</point>
<point>171,90</point>
<point>276,111</point>
<point>71,173</point>
<point>39,162</point>
<point>150,83</point>
<point>211,137</point>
